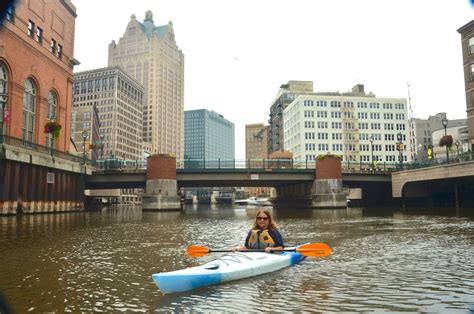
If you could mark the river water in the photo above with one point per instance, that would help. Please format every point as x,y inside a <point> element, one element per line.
<point>103,261</point>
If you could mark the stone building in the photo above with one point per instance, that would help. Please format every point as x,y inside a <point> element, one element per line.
<point>287,93</point>
<point>359,126</point>
<point>467,44</point>
<point>149,54</point>
<point>118,99</point>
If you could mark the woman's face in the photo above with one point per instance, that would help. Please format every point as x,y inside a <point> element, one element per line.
<point>262,221</point>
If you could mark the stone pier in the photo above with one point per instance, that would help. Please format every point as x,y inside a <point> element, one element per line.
<point>161,187</point>
<point>327,189</point>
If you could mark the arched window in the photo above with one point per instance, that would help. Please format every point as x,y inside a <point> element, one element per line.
<point>52,105</point>
<point>3,95</point>
<point>51,115</point>
<point>29,108</point>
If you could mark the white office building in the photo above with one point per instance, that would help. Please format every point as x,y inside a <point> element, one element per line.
<point>356,125</point>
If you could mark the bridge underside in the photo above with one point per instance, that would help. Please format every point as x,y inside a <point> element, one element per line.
<point>452,192</point>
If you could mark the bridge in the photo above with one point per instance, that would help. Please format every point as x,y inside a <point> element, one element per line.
<point>446,183</point>
<point>416,184</point>
<point>211,177</point>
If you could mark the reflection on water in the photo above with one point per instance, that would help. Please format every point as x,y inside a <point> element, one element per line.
<point>103,261</point>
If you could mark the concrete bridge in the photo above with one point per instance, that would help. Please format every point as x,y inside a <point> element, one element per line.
<point>120,179</point>
<point>446,183</point>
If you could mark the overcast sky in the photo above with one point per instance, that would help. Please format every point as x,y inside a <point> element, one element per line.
<point>238,53</point>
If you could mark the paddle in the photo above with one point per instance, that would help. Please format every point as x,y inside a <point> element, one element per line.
<point>310,249</point>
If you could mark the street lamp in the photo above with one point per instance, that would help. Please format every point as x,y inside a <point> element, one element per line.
<point>372,151</point>
<point>457,147</point>
<point>445,125</point>
<point>3,101</point>
<point>418,152</point>
<point>85,135</point>
<point>400,148</point>
<point>101,146</point>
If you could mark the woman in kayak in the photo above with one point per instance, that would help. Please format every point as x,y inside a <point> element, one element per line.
<point>263,235</point>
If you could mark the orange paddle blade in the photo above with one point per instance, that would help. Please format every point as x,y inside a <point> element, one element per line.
<point>197,251</point>
<point>314,250</point>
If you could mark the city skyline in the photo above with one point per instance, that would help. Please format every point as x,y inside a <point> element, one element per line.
<point>239,57</point>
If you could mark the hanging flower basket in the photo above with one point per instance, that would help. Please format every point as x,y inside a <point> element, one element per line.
<point>53,128</point>
<point>446,140</point>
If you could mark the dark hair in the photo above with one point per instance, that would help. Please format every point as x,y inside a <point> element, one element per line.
<point>271,223</point>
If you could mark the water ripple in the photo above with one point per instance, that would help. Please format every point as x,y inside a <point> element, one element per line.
<point>102,262</point>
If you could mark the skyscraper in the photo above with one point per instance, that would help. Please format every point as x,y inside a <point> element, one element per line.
<point>150,55</point>
<point>208,135</point>
<point>117,98</point>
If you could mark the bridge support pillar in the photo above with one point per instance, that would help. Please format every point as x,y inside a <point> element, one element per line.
<point>327,188</point>
<point>161,187</point>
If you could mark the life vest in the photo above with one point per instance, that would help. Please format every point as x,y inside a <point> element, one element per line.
<point>260,239</point>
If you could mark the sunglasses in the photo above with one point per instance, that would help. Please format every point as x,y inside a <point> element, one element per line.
<point>262,218</point>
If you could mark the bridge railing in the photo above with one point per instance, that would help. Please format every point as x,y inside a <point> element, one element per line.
<point>274,164</point>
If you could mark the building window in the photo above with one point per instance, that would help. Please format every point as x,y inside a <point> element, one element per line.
<point>53,46</point>
<point>472,72</point>
<point>51,115</point>
<point>3,91</point>
<point>60,51</point>
<point>39,35</point>
<point>471,45</point>
<point>29,108</point>
<point>10,15</point>
<point>52,105</point>
<point>31,28</point>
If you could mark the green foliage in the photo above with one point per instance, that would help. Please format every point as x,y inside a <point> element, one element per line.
<point>322,157</point>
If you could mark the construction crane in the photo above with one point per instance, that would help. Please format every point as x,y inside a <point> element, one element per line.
<point>411,127</point>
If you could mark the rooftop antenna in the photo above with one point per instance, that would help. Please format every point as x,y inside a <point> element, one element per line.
<point>411,127</point>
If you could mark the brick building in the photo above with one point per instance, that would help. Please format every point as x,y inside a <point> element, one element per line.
<point>36,68</point>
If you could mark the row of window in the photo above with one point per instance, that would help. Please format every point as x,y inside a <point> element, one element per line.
<point>364,158</point>
<point>351,136</point>
<point>36,33</point>
<point>351,147</point>
<point>30,99</point>
<point>350,104</point>
<point>350,115</point>
<point>351,126</point>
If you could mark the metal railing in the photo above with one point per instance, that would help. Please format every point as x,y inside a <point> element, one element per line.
<point>276,164</point>
<point>249,164</point>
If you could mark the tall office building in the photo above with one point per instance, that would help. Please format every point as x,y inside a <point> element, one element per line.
<point>150,55</point>
<point>207,135</point>
<point>117,98</point>
<point>467,40</point>
<point>355,125</point>
<point>287,93</point>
